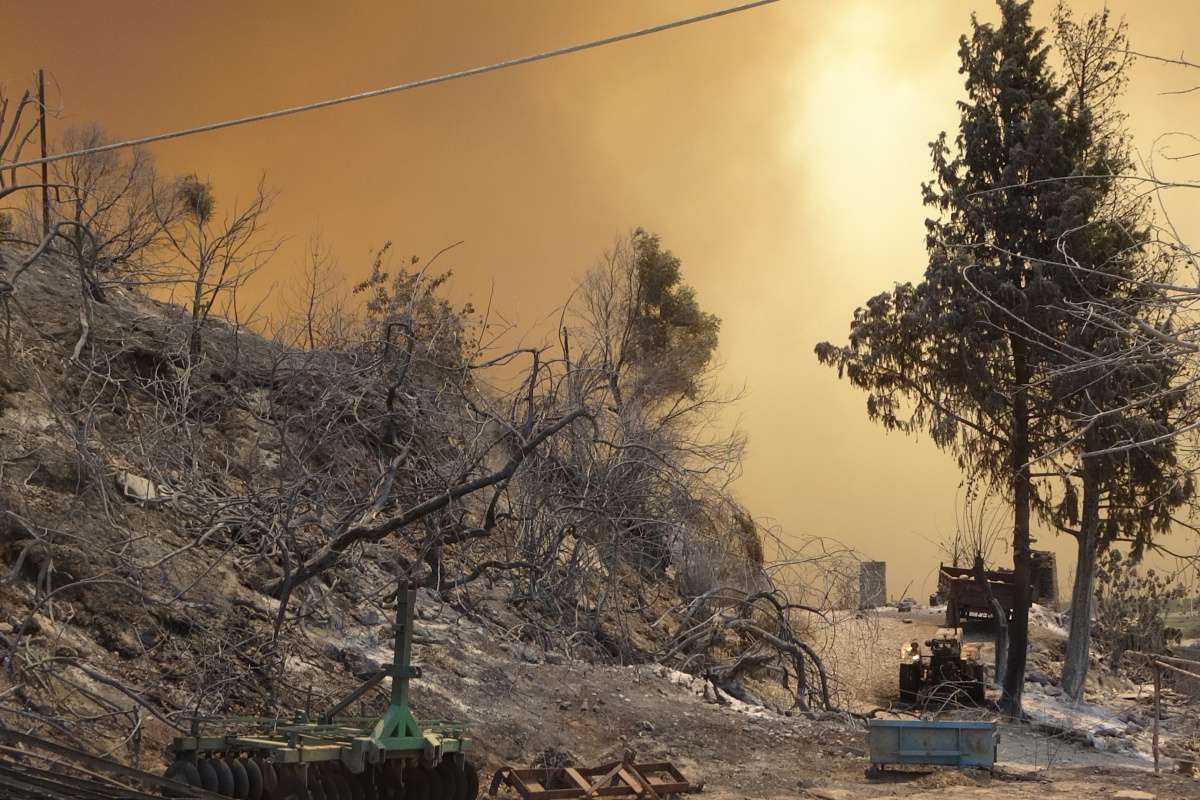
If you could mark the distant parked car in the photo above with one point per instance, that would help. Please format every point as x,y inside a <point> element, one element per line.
<point>906,605</point>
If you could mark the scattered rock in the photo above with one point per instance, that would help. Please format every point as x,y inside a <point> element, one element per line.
<point>147,637</point>
<point>137,487</point>
<point>1038,677</point>
<point>1133,714</point>
<point>26,412</point>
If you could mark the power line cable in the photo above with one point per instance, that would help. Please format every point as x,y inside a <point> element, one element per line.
<point>283,112</point>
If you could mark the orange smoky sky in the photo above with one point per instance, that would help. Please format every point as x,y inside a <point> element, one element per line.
<point>778,152</point>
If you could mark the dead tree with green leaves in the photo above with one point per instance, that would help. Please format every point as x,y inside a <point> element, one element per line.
<point>1112,268</point>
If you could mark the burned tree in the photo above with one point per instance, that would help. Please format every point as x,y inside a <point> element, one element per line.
<point>18,122</point>
<point>637,349</point>
<point>212,259</point>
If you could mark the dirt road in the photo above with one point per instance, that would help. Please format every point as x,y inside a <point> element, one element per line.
<point>520,711</point>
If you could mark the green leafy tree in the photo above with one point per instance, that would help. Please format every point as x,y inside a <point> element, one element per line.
<point>672,339</point>
<point>636,335</point>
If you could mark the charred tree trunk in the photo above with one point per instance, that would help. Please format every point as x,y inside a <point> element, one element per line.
<point>998,612</point>
<point>194,335</point>
<point>1018,643</point>
<point>1075,668</point>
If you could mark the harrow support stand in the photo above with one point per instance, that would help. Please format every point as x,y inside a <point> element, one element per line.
<point>398,729</point>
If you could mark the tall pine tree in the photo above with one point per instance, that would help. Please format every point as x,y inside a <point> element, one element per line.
<point>957,354</point>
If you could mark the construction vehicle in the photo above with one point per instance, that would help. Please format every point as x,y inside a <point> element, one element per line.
<point>334,757</point>
<point>943,668</point>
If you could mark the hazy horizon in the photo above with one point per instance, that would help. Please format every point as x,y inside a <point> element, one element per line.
<point>779,153</point>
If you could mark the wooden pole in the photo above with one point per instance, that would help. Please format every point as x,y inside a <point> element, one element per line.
<point>41,87</point>
<point>1157,710</point>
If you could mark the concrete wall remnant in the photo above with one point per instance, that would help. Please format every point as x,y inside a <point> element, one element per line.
<point>872,584</point>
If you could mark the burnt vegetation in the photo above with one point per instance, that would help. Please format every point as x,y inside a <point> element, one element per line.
<point>187,482</point>
<point>204,494</point>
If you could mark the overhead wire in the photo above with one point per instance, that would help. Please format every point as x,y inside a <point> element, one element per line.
<point>400,87</point>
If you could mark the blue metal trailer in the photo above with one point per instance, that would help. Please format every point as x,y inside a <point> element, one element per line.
<point>954,743</point>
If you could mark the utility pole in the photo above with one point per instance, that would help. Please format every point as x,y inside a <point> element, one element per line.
<point>45,167</point>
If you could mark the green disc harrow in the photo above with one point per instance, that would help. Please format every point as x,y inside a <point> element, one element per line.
<point>334,757</point>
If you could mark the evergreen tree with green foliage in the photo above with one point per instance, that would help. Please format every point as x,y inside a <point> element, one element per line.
<point>958,355</point>
<point>673,340</point>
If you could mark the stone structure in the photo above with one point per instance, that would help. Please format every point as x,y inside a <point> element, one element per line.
<point>872,584</point>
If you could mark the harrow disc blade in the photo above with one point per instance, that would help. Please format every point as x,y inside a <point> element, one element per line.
<point>336,785</point>
<point>316,790</point>
<point>437,786</point>
<point>208,775</point>
<point>471,776</point>
<point>288,783</point>
<point>254,779</point>
<point>350,788</point>
<point>270,778</point>
<point>183,771</point>
<point>241,781</point>
<point>386,779</point>
<point>454,783</point>
<point>224,776</point>
<point>366,781</point>
<point>416,784</point>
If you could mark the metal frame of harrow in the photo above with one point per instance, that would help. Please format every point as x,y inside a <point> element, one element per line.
<point>347,740</point>
<point>356,742</point>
